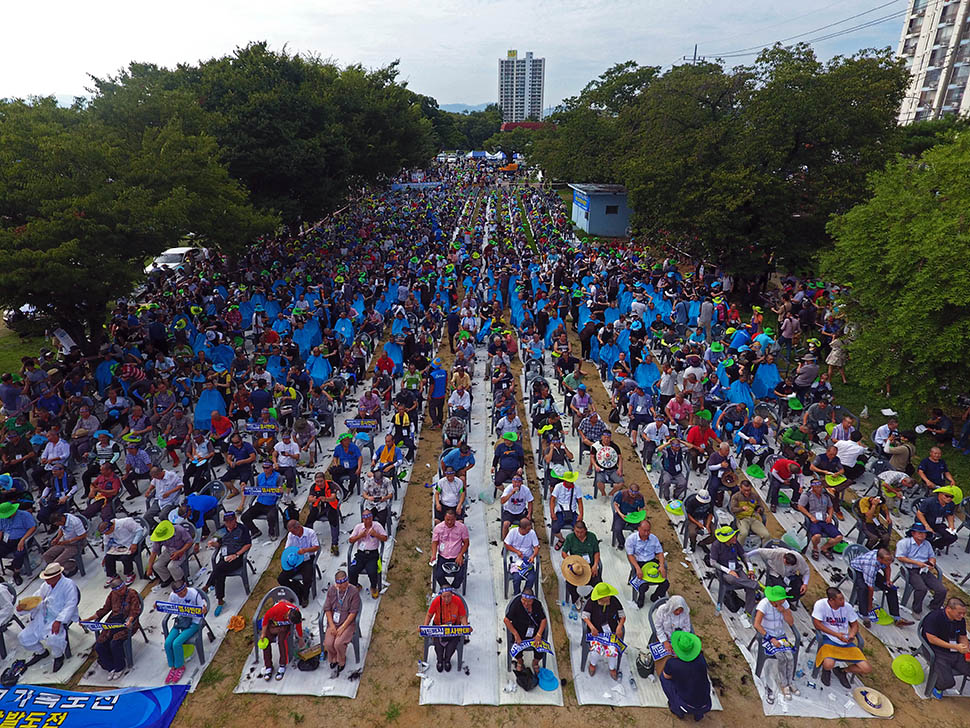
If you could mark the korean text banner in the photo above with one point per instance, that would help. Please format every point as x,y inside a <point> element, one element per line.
<point>43,707</point>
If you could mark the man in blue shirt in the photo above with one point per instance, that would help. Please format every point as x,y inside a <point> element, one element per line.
<point>461,459</point>
<point>437,389</point>
<point>933,470</point>
<point>508,458</point>
<point>264,505</point>
<point>936,514</point>
<point>347,460</point>
<point>17,527</point>
<point>643,547</point>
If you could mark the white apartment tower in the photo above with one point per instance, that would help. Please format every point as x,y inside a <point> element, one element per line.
<point>521,82</point>
<point>936,45</point>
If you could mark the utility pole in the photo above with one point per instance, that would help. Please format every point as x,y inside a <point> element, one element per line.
<point>695,58</point>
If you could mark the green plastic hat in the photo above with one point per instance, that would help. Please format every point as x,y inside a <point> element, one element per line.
<point>263,643</point>
<point>755,471</point>
<point>840,547</point>
<point>544,429</point>
<point>884,618</point>
<point>511,436</point>
<point>8,509</point>
<point>603,590</point>
<point>908,669</point>
<point>717,346</point>
<point>651,573</point>
<point>344,436</point>
<point>705,415</point>
<point>635,516</point>
<point>163,531</point>
<point>795,404</point>
<point>951,490</point>
<point>775,593</point>
<point>676,507</point>
<point>829,427</point>
<point>725,534</point>
<point>835,480</point>
<point>570,476</point>
<point>728,362</point>
<point>784,499</point>
<point>687,645</point>
<point>731,330</point>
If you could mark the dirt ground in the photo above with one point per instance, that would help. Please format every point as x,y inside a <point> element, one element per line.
<point>388,695</point>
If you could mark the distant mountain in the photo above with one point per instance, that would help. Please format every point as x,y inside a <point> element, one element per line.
<point>462,108</point>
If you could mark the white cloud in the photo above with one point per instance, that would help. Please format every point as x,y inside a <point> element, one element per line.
<point>448,48</point>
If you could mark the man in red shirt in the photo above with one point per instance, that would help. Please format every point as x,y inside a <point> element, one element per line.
<point>446,608</point>
<point>278,620</point>
<point>784,474</point>
<point>702,441</point>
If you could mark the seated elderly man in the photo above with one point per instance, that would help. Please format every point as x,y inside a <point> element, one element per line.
<point>946,631</point>
<point>673,466</point>
<point>523,544</point>
<point>341,609</point>
<point>18,528</point>
<point>66,546</point>
<point>517,502</point>
<point>123,607</point>
<point>728,556</point>
<point>299,577</point>
<point>167,562</point>
<point>449,545</point>
<point>49,618</point>
<point>783,567</point>
<point>918,560</point>
<point>368,536</point>
<point>526,620</point>
<point>627,501</point>
<point>120,541</point>
<point>445,609</point>
<point>837,625</point>
<point>936,513</point>
<point>873,571</point>
<point>508,458</point>
<point>643,548</point>
<point>747,508</point>
<point>816,505</point>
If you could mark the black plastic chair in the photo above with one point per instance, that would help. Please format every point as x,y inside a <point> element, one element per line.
<point>355,640</point>
<point>763,656</point>
<point>509,641</point>
<point>930,655</point>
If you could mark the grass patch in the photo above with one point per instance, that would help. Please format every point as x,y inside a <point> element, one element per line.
<point>393,712</point>
<point>212,676</point>
<point>297,717</point>
<point>12,348</point>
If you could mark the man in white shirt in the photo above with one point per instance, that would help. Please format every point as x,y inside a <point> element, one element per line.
<point>449,492</point>
<point>883,433</point>
<point>848,453</point>
<point>166,487</point>
<point>523,544</point>
<point>837,625</point>
<point>286,454</point>
<point>460,403</point>
<point>918,560</point>
<point>65,548</point>
<point>654,435</point>
<point>120,538</point>
<point>49,619</point>
<point>56,452</point>
<point>516,502</point>
<point>368,536</point>
<point>299,576</point>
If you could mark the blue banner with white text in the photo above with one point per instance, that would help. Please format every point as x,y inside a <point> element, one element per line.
<point>44,707</point>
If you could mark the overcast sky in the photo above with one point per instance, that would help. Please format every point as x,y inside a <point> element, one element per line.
<point>448,48</point>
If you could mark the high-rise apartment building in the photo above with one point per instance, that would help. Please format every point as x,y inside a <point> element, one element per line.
<point>521,82</point>
<point>936,45</point>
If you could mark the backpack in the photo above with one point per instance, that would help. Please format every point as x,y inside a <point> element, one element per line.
<point>11,676</point>
<point>308,665</point>
<point>526,679</point>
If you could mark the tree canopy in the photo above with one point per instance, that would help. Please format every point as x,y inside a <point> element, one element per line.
<point>743,166</point>
<point>82,207</point>
<point>902,255</point>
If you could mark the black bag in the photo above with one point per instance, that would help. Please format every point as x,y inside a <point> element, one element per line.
<point>290,513</point>
<point>11,676</point>
<point>645,664</point>
<point>308,665</point>
<point>614,416</point>
<point>526,679</point>
<point>733,602</point>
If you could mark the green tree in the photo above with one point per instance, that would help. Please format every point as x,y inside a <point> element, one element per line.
<point>82,207</point>
<point>903,256</point>
<point>477,126</point>
<point>916,138</point>
<point>515,141</point>
<point>296,130</point>
<point>745,167</point>
<point>584,142</point>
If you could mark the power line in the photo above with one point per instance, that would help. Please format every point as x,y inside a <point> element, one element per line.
<point>752,31</point>
<point>828,36</point>
<point>810,32</point>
